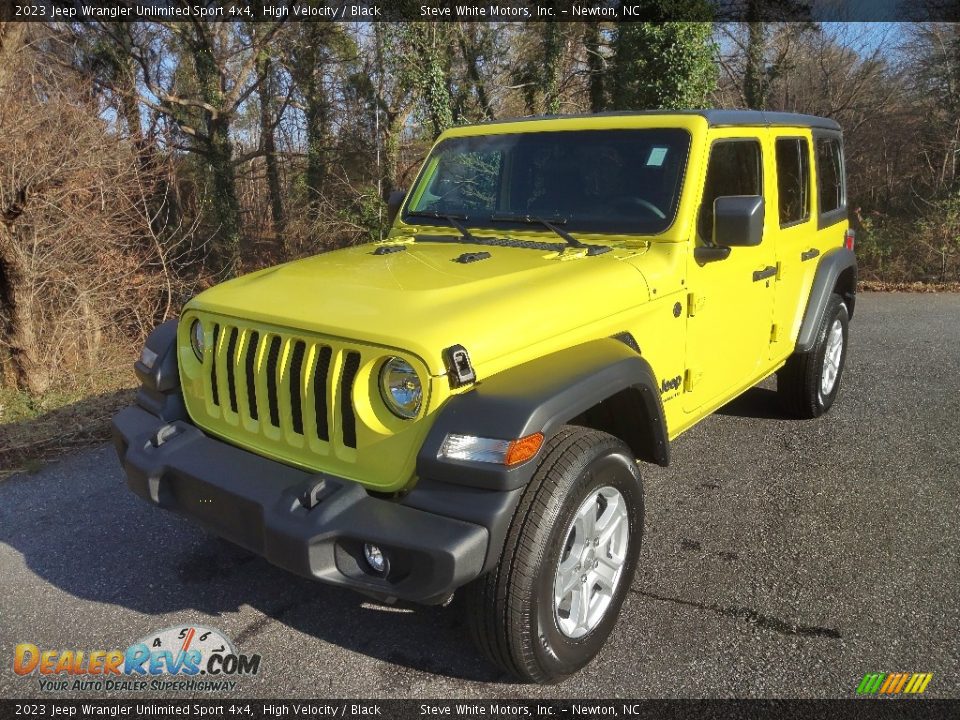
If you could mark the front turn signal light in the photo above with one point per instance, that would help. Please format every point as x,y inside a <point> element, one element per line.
<point>523,449</point>
<point>491,450</point>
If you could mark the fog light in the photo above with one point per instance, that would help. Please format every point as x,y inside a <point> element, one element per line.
<point>375,558</point>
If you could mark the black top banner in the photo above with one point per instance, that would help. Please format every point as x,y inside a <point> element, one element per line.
<point>353,11</point>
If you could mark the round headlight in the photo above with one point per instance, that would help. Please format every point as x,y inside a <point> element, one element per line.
<point>401,388</point>
<point>196,339</point>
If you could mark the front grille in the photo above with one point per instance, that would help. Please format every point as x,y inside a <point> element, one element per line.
<point>276,386</point>
<point>350,368</point>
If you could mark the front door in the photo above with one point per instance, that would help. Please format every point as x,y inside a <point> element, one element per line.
<point>730,306</point>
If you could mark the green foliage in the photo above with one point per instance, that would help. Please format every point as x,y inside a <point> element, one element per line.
<point>663,66</point>
<point>876,244</point>
<point>940,232</point>
<point>423,54</point>
<point>539,72</point>
<point>899,248</point>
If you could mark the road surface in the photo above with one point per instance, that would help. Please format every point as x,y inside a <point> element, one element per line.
<point>782,558</point>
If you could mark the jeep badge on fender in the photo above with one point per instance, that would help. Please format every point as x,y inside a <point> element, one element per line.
<point>463,404</point>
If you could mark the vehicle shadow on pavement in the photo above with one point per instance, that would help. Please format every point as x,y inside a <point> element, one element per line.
<point>115,550</point>
<point>758,402</point>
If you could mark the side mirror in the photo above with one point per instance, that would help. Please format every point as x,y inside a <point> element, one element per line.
<point>394,201</point>
<point>738,221</point>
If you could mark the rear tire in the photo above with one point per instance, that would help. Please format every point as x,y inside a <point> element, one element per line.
<point>809,383</point>
<point>549,605</point>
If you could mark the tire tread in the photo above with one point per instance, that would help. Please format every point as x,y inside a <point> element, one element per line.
<point>495,604</point>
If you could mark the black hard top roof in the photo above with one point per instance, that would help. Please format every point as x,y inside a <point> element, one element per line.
<point>715,118</point>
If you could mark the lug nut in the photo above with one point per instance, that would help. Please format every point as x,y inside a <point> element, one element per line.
<point>583,579</point>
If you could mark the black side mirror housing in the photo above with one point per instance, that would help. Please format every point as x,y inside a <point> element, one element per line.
<point>394,202</point>
<point>738,221</point>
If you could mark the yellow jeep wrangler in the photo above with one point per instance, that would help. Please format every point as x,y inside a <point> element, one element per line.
<point>463,404</point>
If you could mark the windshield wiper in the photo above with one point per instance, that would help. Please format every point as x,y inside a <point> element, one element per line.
<point>451,218</point>
<point>551,224</point>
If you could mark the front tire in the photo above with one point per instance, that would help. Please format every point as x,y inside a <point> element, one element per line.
<point>568,560</point>
<point>809,383</point>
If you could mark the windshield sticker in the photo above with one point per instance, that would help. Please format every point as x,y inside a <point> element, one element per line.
<point>657,156</point>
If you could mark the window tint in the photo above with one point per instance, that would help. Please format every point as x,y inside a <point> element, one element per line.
<point>793,179</point>
<point>735,168</point>
<point>829,174</point>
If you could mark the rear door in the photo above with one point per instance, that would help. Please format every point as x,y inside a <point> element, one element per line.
<point>795,233</point>
<point>811,220</point>
<point>730,306</point>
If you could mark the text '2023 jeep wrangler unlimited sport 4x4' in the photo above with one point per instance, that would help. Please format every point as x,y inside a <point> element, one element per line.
<point>465,401</point>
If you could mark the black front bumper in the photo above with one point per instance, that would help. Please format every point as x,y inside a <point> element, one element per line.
<point>257,503</point>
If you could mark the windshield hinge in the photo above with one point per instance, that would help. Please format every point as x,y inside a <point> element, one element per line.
<point>459,368</point>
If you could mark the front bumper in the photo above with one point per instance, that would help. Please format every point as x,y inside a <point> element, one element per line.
<point>258,504</point>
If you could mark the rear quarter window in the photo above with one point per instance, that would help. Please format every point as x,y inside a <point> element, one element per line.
<point>793,180</point>
<point>831,183</point>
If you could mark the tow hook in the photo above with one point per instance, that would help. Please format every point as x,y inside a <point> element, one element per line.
<point>163,434</point>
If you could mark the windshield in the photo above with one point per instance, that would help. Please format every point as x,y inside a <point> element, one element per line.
<point>602,181</point>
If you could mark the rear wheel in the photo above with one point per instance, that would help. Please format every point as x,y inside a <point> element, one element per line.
<point>548,607</point>
<point>809,383</point>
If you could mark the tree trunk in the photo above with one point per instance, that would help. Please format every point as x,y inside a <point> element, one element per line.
<point>755,72</point>
<point>392,131</point>
<point>434,61</point>
<point>225,205</point>
<point>471,58</point>
<point>318,140</point>
<point>11,40</point>
<point>18,361</point>
<point>552,58</point>
<point>591,42</point>
<point>24,364</point>
<point>274,191</point>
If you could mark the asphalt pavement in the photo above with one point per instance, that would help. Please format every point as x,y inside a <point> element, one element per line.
<point>782,558</point>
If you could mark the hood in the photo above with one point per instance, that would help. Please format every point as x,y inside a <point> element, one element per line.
<point>422,300</point>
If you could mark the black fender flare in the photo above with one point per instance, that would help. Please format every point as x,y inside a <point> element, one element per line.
<point>163,375</point>
<point>832,265</point>
<point>541,396</point>
<point>159,391</point>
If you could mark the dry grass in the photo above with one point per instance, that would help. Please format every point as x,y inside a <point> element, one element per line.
<point>911,287</point>
<point>35,431</point>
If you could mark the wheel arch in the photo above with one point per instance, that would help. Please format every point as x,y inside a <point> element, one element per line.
<point>836,273</point>
<point>603,384</point>
<point>628,415</point>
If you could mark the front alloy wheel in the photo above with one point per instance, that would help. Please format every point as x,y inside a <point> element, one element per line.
<point>592,562</point>
<point>549,605</point>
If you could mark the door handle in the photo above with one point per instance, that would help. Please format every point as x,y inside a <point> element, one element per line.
<point>809,254</point>
<point>768,272</point>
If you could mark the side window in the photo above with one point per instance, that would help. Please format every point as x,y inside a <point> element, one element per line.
<point>793,180</point>
<point>830,174</point>
<point>735,168</point>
